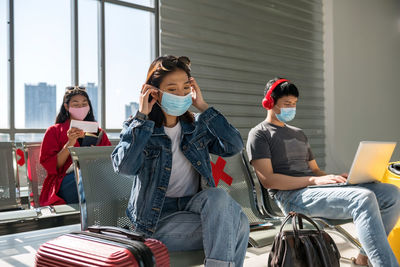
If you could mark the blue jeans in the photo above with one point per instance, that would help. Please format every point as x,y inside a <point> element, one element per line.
<point>210,220</point>
<point>374,208</point>
<point>68,190</point>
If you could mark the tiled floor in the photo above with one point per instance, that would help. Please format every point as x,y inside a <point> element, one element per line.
<point>19,249</point>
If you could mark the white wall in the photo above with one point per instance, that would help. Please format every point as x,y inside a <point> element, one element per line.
<point>362,76</point>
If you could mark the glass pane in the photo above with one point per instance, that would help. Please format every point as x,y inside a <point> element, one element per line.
<point>88,70</point>
<point>113,136</point>
<point>128,57</point>
<point>3,66</point>
<point>42,60</point>
<point>4,137</point>
<point>29,137</point>
<point>148,3</point>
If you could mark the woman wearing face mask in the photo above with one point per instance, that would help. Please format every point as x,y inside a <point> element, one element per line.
<point>59,187</point>
<point>166,149</point>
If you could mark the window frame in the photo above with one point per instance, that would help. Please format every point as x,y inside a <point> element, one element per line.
<point>155,48</point>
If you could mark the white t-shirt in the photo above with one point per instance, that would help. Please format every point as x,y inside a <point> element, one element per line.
<point>184,180</point>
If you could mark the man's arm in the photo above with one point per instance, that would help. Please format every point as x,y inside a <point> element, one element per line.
<point>315,168</point>
<point>318,172</point>
<point>269,179</point>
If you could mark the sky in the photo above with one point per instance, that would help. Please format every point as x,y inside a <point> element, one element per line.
<point>43,52</point>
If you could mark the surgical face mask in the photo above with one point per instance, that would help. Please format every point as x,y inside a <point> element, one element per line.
<point>79,113</point>
<point>287,114</point>
<point>175,105</point>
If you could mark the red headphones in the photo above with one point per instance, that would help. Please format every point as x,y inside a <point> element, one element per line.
<point>268,101</point>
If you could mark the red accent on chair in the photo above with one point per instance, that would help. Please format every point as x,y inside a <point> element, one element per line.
<point>21,160</point>
<point>218,172</point>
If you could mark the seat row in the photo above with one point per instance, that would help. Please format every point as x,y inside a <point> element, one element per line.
<point>20,160</point>
<point>105,193</point>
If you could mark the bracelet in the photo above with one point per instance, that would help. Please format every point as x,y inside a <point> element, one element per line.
<point>141,116</point>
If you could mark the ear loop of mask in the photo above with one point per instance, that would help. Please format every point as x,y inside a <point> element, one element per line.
<point>159,91</point>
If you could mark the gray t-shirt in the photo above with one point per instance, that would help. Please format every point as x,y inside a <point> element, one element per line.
<point>287,147</point>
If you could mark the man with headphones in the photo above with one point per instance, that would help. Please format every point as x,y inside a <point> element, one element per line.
<point>285,165</point>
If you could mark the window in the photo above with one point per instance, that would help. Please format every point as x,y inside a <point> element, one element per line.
<point>128,56</point>
<point>42,60</point>
<point>3,67</point>
<point>30,137</point>
<point>88,52</point>
<point>113,136</point>
<point>4,137</point>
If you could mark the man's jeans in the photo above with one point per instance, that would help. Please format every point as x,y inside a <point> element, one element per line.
<point>210,220</point>
<point>374,208</point>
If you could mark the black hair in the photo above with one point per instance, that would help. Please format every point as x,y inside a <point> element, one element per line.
<point>283,89</point>
<point>159,68</point>
<point>63,114</point>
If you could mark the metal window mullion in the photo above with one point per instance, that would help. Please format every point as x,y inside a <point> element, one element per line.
<point>11,68</point>
<point>74,43</point>
<point>102,61</point>
<point>157,44</point>
<point>23,130</point>
<point>131,5</point>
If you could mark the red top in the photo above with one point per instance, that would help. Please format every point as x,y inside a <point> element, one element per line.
<point>53,142</point>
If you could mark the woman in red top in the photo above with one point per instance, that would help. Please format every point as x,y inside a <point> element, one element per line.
<point>59,187</point>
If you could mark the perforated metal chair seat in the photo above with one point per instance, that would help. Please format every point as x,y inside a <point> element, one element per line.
<point>105,194</point>
<point>242,190</point>
<point>35,171</point>
<point>9,183</point>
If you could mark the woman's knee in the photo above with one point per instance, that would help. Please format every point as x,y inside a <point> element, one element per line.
<point>217,196</point>
<point>244,224</point>
<point>219,201</point>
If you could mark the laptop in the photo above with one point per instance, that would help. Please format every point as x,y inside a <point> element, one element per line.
<point>369,164</point>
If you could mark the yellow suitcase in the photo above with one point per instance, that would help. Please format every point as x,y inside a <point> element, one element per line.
<point>392,176</point>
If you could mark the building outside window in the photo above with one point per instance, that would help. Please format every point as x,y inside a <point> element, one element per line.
<point>40,105</point>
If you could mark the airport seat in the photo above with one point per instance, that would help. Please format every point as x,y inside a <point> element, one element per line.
<point>272,210</point>
<point>35,171</point>
<point>9,181</point>
<point>114,142</point>
<point>231,174</point>
<point>104,195</point>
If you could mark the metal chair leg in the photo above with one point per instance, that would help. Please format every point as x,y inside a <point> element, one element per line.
<point>348,236</point>
<point>341,231</point>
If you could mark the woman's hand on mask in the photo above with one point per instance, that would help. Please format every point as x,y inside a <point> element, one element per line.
<point>145,106</point>
<point>197,97</point>
<point>73,135</point>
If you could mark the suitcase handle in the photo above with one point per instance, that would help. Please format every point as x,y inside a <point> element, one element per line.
<point>115,230</point>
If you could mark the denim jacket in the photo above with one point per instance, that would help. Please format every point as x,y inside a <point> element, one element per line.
<point>144,152</point>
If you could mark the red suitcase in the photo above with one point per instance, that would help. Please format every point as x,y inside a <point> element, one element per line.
<point>102,246</point>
